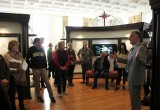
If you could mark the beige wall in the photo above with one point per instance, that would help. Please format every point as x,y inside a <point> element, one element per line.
<point>86,21</point>
<point>55,29</point>
<point>65,23</point>
<point>135,19</point>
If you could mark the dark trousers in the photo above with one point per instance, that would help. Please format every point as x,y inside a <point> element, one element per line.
<point>120,73</point>
<point>12,92</point>
<point>4,100</point>
<point>51,69</point>
<point>85,67</point>
<point>96,75</point>
<point>61,80</point>
<point>70,73</point>
<point>55,78</point>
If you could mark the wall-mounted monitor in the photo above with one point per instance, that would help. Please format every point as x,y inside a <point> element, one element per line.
<point>108,48</point>
<point>107,45</point>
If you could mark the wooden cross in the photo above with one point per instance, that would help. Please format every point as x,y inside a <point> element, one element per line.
<point>104,16</point>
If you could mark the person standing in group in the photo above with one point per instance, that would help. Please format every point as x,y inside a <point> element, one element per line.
<point>85,55</point>
<point>36,60</point>
<point>61,61</point>
<point>41,79</point>
<point>121,63</point>
<point>4,73</point>
<point>18,79</point>
<point>54,66</point>
<point>136,63</point>
<point>72,64</point>
<point>4,83</point>
<point>101,67</point>
<point>50,61</point>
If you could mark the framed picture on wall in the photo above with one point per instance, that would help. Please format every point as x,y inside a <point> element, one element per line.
<point>5,39</point>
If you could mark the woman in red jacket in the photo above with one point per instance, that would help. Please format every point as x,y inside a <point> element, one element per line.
<point>61,61</point>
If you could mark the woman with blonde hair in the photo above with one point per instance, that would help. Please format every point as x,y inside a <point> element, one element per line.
<point>18,80</point>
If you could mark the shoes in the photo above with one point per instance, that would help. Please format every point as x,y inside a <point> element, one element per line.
<point>83,82</point>
<point>66,93</point>
<point>40,99</point>
<point>106,88</point>
<point>53,100</point>
<point>116,88</point>
<point>94,87</point>
<point>124,88</point>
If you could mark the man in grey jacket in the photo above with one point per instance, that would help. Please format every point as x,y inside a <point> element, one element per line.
<point>137,60</point>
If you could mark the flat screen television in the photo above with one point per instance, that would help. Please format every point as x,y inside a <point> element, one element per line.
<point>108,48</point>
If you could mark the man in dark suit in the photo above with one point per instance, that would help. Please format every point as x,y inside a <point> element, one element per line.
<point>137,60</point>
<point>101,67</point>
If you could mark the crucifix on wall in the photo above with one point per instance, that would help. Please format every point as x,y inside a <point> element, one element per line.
<point>104,16</point>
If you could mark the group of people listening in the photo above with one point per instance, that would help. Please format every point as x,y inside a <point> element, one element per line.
<point>13,77</point>
<point>62,62</point>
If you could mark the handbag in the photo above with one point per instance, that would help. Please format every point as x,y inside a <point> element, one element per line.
<point>19,78</point>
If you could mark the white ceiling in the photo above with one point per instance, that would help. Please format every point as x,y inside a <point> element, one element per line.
<point>85,8</point>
